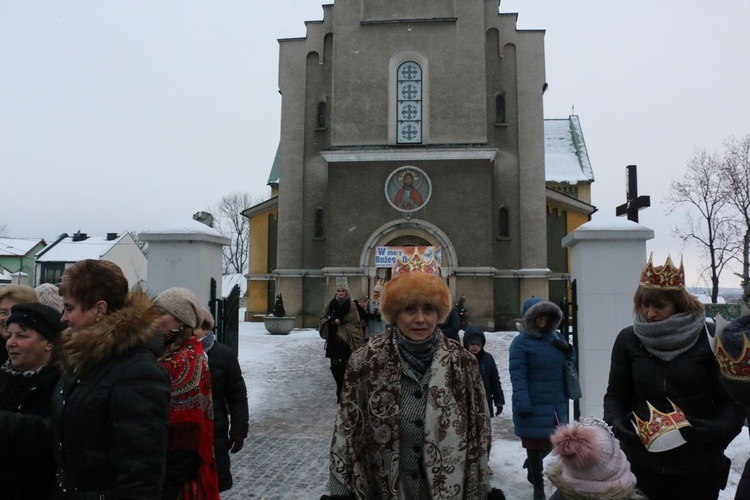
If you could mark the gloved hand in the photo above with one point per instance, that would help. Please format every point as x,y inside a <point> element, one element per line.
<point>561,344</point>
<point>498,410</point>
<point>624,430</point>
<point>235,443</point>
<point>699,431</point>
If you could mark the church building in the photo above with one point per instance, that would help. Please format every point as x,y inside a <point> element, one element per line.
<point>417,128</point>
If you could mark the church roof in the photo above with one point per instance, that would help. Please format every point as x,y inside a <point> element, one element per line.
<point>565,155</point>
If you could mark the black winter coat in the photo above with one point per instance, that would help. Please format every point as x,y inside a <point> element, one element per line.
<point>691,381</point>
<point>26,455</point>
<point>111,408</point>
<point>230,404</point>
<point>451,326</point>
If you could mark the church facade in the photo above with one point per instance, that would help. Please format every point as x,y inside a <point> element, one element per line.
<point>418,125</point>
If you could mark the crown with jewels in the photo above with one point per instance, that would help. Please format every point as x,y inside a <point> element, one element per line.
<point>668,277</point>
<point>341,282</point>
<point>732,368</point>
<point>415,262</point>
<point>660,432</point>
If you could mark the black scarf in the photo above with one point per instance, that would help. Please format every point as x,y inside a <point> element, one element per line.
<point>418,355</point>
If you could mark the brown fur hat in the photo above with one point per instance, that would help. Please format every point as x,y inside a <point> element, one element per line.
<point>415,287</point>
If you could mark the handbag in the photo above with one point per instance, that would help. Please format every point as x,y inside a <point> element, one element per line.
<point>571,381</point>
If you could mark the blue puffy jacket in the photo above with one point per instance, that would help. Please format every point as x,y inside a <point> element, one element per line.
<point>536,373</point>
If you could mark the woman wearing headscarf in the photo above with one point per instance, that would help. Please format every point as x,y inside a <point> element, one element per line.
<point>27,381</point>
<point>191,468</point>
<point>413,419</point>
<point>340,325</point>
<point>663,370</point>
<point>111,407</point>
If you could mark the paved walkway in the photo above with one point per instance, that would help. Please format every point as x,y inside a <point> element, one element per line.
<point>292,402</point>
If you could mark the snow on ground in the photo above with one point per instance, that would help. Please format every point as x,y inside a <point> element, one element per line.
<point>288,379</point>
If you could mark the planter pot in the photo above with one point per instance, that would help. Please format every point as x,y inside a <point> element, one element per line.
<point>279,326</point>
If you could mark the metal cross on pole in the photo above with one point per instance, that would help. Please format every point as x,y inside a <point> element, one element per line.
<point>634,202</point>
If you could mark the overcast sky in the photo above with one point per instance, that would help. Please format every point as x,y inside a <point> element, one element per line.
<point>135,114</point>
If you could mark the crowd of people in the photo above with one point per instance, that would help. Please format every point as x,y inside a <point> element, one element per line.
<point>107,393</point>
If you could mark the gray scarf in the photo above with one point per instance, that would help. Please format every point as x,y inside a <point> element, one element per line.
<point>671,337</point>
<point>208,341</point>
<point>418,355</point>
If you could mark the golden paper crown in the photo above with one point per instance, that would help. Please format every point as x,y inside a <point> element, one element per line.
<point>667,278</point>
<point>661,432</point>
<point>737,369</point>
<point>414,263</point>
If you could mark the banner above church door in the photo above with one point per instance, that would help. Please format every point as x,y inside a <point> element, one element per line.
<point>405,259</point>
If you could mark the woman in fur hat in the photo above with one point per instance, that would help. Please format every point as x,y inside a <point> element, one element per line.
<point>340,325</point>
<point>536,359</point>
<point>590,464</point>
<point>111,407</point>
<point>27,381</point>
<point>413,419</point>
<point>191,468</point>
<point>663,363</point>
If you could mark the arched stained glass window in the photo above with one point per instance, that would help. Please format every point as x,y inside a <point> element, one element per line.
<point>409,102</point>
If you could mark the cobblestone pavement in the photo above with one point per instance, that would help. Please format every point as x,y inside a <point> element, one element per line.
<point>291,396</point>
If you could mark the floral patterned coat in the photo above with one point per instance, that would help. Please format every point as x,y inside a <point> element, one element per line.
<point>365,447</point>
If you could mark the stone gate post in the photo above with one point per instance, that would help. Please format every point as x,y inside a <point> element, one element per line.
<point>606,258</point>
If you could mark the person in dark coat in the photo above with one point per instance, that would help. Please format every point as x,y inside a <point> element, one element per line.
<point>451,326</point>
<point>111,405</point>
<point>664,363</point>
<point>27,381</point>
<point>229,396</point>
<point>536,372</point>
<point>731,348</point>
<point>474,341</point>
<point>340,325</point>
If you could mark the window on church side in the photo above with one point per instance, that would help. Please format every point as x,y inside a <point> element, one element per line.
<point>321,123</point>
<point>409,103</point>
<point>503,223</point>
<point>500,109</point>
<point>320,228</point>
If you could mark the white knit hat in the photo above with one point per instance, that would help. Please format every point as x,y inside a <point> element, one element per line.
<point>182,304</point>
<point>591,462</point>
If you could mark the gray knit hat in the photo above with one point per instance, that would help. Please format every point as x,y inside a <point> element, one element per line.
<point>49,295</point>
<point>207,319</point>
<point>182,304</point>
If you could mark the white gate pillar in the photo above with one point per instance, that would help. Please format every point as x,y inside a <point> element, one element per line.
<point>606,258</point>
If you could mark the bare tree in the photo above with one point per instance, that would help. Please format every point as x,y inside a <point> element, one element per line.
<point>3,230</point>
<point>232,224</point>
<point>710,221</point>
<point>735,173</point>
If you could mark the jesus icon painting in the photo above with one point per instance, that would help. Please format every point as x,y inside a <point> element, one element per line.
<point>408,189</point>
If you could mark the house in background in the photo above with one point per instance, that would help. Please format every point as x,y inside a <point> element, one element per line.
<point>52,261</point>
<point>17,258</point>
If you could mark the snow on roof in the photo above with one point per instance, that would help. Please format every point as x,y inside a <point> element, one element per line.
<point>229,280</point>
<point>67,250</point>
<point>18,246</point>
<point>187,226</point>
<point>565,156</point>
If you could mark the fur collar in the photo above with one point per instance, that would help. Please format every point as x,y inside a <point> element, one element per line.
<point>541,307</point>
<point>134,325</point>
